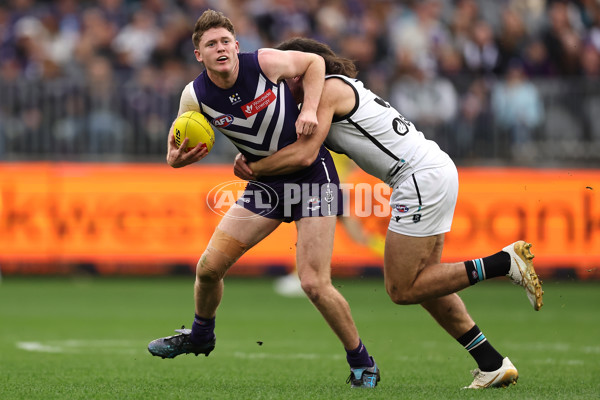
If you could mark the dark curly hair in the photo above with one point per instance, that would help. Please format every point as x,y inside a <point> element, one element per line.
<point>333,63</point>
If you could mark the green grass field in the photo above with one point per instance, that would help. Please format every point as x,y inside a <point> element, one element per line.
<point>78,338</point>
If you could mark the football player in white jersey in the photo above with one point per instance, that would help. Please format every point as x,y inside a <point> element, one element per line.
<point>354,121</point>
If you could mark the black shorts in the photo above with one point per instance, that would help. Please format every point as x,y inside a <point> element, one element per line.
<point>310,192</point>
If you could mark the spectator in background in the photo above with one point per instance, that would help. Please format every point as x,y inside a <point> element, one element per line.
<point>96,37</point>
<point>517,108</point>
<point>590,62</point>
<point>373,62</point>
<point>330,23</point>
<point>451,67</point>
<point>173,44</point>
<point>561,39</point>
<point>471,136</point>
<point>60,39</point>
<point>480,52</point>
<point>144,105</point>
<point>114,12</point>
<point>106,128</point>
<point>463,17</point>
<point>533,13</point>
<point>588,11</point>
<point>419,37</point>
<point>536,62</point>
<point>136,41</point>
<point>593,35</point>
<point>288,18</point>
<point>249,37</point>
<point>511,40</point>
<point>429,100</point>
<point>69,131</point>
<point>30,41</point>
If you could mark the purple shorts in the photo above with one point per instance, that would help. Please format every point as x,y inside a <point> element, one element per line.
<point>310,192</point>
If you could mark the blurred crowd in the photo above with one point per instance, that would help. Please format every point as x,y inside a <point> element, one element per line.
<point>464,71</point>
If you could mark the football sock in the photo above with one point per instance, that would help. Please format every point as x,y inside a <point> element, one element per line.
<point>487,358</point>
<point>359,357</point>
<point>203,330</point>
<point>488,267</point>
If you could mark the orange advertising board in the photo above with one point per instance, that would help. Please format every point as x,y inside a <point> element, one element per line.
<point>62,213</point>
<point>557,210</point>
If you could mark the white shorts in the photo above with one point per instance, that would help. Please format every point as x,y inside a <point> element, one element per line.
<point>423,204</point>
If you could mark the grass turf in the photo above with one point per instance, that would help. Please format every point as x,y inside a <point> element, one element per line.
<point>67,338</point>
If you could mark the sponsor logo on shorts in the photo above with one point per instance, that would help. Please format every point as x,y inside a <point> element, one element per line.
<point>314,203</point>
<point>416,218</point>
<point>401,208</point>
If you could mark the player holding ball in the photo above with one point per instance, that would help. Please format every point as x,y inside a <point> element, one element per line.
<point>245,96</point>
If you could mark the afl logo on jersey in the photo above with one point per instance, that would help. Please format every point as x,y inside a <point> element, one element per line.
<point>223,121</point>
<point>401,208</point>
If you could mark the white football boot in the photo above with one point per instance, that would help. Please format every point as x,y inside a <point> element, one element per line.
<point>502,377</point>
<point>522,273</point>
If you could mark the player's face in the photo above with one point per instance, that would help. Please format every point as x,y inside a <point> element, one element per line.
<point>218,50</point>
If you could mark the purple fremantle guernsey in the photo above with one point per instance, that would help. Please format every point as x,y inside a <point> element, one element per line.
<point>259,117</point>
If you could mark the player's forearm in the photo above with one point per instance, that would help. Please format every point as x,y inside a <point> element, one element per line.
<point>290,159</point>
<point>313,82</point>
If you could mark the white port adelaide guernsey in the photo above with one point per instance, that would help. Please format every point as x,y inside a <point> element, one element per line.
<point>381,140</point>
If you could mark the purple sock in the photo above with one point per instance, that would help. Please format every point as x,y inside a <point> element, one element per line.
<point>203,330</point>
<point>359,357</point>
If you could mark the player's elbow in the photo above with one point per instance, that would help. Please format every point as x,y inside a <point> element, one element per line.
<point>306,162</point>
<point>306,159</point>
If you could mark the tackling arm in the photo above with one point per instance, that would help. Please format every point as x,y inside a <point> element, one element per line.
<point>299,154</point>
<point>279,65</point>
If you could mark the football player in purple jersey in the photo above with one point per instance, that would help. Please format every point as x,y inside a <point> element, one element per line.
<point>246,97</point>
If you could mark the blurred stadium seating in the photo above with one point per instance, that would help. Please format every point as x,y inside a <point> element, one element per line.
<point>100,81</point>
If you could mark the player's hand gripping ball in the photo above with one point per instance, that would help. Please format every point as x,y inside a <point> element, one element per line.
<point>195,126</point>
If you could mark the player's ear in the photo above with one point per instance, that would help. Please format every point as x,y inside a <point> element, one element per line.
<point>198,55</point>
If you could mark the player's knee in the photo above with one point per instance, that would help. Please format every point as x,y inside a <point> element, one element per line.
<point>210,269</point>
<point>312,288</point>
<point>221,253</point>
<point>401,295</point>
